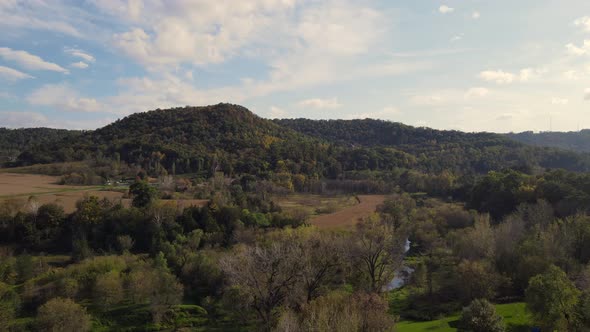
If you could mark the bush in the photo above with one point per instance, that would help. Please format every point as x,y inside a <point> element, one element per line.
<point>63,315</point>
<point>481,316</point>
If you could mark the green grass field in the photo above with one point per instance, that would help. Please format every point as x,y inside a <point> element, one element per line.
<point>514,314</point>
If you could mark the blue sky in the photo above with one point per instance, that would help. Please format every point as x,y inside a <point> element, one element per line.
<point>460,64</point>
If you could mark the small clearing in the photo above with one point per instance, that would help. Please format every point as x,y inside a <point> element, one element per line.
<point>349,216</point>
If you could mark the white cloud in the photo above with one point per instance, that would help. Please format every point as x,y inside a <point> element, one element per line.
<point>197,32</point>
<point>12,74</point>
<point>276,112</point>
<point>80,65</point>
<point>583,22</point>
<point>62,97</point>
<point>559,101</point>
<point>80,54</point>
<point>12,119</point>
<point>304,44</point>
<point>319,103</point>
<point>476,93</point>
<point>498,76</point>
<point>578,50</point>
<point>503,77</point>
<point>528,74</point>
<point>385,114</point>
<point>29,61</point>
<point>476,15</point>
<point>23,16</point>
<point>444,9</point>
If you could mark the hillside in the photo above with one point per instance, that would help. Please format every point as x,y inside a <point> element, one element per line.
<point>441,149</point>
<point>574,140</point>
<point>15,141</point>
<point>223,137</point>
<point>231,139</point>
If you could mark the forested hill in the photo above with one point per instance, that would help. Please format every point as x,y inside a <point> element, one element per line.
<point>370,132</point>
<point>574,140</point>
<point>446,149</point>
<point>14,141</point>
<point>231,139</point>
<point>222,137</point>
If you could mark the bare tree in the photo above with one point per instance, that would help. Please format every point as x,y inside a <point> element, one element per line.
<point>265,275</point>
<point>376,251</point>
<point>322,259</point>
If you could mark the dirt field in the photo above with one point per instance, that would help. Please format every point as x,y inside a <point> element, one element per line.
<point>46,190</point>
<point>12,184</point>
<point>350,215</point>
<point>315,205</point>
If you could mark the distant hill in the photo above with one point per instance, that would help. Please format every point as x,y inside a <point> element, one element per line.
<point>231,139</point>
<point>222,137</point>
<point>14,141</point>
<point>574,140</point>
<point>437,150</point>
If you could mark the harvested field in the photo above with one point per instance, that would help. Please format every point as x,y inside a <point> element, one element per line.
<point>19,187</point>
<point>314,205</point>
<point>349,216</point>
<point>12,184</point>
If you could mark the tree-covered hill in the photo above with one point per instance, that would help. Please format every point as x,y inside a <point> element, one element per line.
<point>15,141</point>
<point>437,150</point>
<point>574,140</point>
<point>233,140</point>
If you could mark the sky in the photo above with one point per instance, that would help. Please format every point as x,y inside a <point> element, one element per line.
<point>471,65</point>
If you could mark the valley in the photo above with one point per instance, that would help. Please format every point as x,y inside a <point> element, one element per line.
<point>214,219</point>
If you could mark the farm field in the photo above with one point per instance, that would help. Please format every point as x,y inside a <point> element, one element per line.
<point>515,317</point>
<point>315,205</point>
<point>20,187</point>
<point>349,216</point>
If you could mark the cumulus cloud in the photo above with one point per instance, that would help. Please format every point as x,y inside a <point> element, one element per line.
<point>62,97</point>
<point>29,61</point>
<point>80,54</point>
<point>277,112</point>
<point>444,9</point>
<point>497,76</point>
<point>578,50</point>
<point>50,16</point>
<point>528,74</point>
<point>583,22</point>
<point>80,65</point>
<point>319,103</point>
<point>503,77</point>
<point>12,74</point>
<point>196,32</point>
